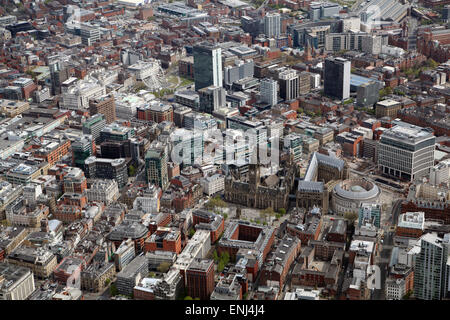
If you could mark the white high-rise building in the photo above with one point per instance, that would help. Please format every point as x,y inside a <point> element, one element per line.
<point>440,173</point>
<point>431,268</point>
<point>89,34</point>
<point>406,151</point>
<point>289,84</point>
<point>240,70</point>
<point>272,24</point>
<point>268,90</point>
<point>78,93</point>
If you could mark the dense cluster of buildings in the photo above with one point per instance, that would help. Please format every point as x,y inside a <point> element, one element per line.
<point>224,150</point>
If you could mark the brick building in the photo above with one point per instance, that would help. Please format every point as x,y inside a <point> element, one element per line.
<point>206,220</point>
<point>200,279</point>
<point>164,239</point>
<point>105,105</point>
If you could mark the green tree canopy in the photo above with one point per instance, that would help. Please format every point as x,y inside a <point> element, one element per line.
<point>221,266</point>
<point>113,290</point>
<point>132,170</point>
<point>385,91</point>
<point>225,257</point>
<point>351,216</point>
<point>431,63</point>
<point>215,256</point>
<point>268,212</point>
<point>164,267</point>
<point>215,202</point>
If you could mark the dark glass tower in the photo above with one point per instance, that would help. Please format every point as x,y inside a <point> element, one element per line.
<point>337,78</point>
<point>207,65</point>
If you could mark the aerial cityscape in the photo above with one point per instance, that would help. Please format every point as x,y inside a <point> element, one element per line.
<point>224,150</point>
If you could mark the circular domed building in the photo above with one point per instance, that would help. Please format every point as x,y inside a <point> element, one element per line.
<point>348,195</point>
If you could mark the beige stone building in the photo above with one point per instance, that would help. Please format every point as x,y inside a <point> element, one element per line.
<point>12,108</point>
<point>94,277</point>
<point>387,108</point>
<point>254,192</point>
<point>41,261</point>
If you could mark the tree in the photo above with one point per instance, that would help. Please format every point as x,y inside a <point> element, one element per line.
<point>351,216</point>
<point>113,290</point>
<point>264,214</point>
<point>139,86</point>
<point>215,202</point>
<point>132,170</point>
<point>215,256</point>
<point>282,211</point>
<point>191,232</point>
<point>431,63</point>
<point>225,257</point>
<point>221,266</point>
<point>407,295</point>
<point>188,298</point>
<point>399,92</point>
<point>164,267</point>
<point>385,91</point>
<point>348,101</point>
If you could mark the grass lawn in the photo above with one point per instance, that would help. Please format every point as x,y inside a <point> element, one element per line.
<point>185,82</point>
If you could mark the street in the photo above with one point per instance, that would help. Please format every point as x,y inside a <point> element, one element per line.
<point>386,248</point>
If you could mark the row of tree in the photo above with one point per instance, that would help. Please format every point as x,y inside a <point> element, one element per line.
<point>221,260</point>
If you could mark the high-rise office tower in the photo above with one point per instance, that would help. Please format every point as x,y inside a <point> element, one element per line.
<point>104,105</point>
<point>94,125</point>
<point>337,78</point>
<point>406,151</point>
<point>207,65</point>
<point>446,13</point>
<point>82,149</point>
<point>293,144</point>
<point>211,98</point>
<point>304,82</point>
<point>272,24</point>
<point>431,269</point>
<point>188,147</point>
<point>102,168</point>
<point>369,212</point>
<point>289,84</point>
<point>58,74</point>
<point>89,34</point>
<point>268,89</point>
<point>156,165</point>
<point>240,70</point>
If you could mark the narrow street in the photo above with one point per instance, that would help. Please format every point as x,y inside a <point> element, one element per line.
<point>385,250</point>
